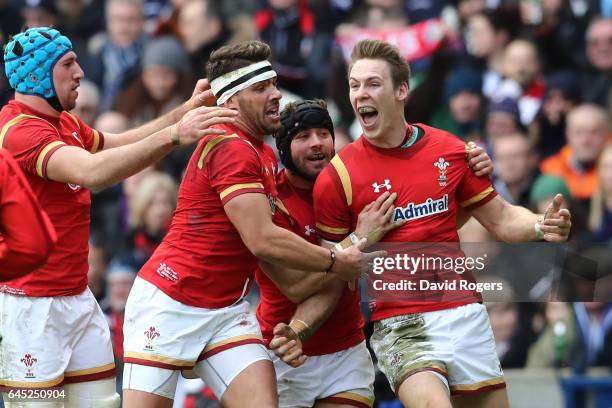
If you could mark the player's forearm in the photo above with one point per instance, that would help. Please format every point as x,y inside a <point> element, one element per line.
<point>279,246</point>
<point>111,166</point>
<point>296,285</point>
<point>516,224</point>
<point>145,130</point>
<point>315,310</point>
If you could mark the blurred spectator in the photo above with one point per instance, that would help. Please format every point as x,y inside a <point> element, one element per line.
<point>119,280</point>
<point>522,82</point>
<point>510,343</point>
<point>87,102</point>
<point>503,118</point>
<point>150,212</point>
<point>300,52</point>
<point>112,122</point>
<point>562,95</point>
<point>586,133</point>
<point>421,10</point>
<point>555,29</point>
<point>600,217</point>
<point>163,84</point>
<point>40,13</point>
<point>80,20</point>
<point>203,29</point>
<point>486,35</point>
<point>516,167</point>
<point>467,8</point>
<point>544,190</point>
<point>553,347</point>
<point>578,336</point>
<point>11,21</point>
<point>115,55</point>
<point>597,79</point>
<point>105,204</point>
<point>462,113</point>
<point>97,260</point>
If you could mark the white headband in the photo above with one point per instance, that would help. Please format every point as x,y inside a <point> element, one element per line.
<point>228,84</point>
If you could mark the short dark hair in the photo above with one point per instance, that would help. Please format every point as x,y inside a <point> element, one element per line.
<point>376,49</point>
<point>291,107</point>
<point>232,57</point>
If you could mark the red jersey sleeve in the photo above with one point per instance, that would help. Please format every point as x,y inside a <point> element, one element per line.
<point>474,191</point>
<point>32,142</point>
<point>332,213</point>
<point>234,168</point>
<point>26,233</point>
<point>93,141</point>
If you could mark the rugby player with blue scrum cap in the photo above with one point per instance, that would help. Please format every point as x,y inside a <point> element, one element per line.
<point>54,332</point>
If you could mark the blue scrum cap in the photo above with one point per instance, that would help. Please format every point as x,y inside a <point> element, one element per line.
<point>29,58</point>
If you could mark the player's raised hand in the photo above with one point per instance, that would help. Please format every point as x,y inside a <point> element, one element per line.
<point>202,95</point>
<point>351,262</point>
<point>287,346</point>
<point>197,123</point>
<point>479,161</point>
<point>375,220</point>
<point>557,221</point>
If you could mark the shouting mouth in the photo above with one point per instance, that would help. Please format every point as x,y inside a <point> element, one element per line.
<point>368,115</point>
<point>273,113</point>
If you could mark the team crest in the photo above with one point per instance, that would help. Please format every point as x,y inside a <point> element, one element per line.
<point>308,230</point>
<point>442,165</point>
<point>28,360</point>
<point>150,335</point>
<point>377,187</point>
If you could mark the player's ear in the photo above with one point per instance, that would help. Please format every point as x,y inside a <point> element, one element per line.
<point>401,93</point>
<point>231,103</point>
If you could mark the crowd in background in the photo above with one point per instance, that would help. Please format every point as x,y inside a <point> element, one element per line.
<point>530,80</point>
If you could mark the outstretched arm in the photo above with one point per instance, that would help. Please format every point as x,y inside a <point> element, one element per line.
<point>512,223</point>
<point>250,214</point>
<point>202,96</point>
<point>70,164</point>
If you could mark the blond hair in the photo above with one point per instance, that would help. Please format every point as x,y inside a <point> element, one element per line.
<point>148,187</point>
<point>598,200</point>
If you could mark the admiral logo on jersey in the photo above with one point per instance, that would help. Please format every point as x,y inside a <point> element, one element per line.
<point>414,211</point>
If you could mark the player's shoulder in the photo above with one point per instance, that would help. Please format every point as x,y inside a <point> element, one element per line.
<point>442,141</point>
<point>228,146</point>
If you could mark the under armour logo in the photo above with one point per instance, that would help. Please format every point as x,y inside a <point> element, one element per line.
<point>308,230</point>
<point>386,184</point>
<point>76,136</point>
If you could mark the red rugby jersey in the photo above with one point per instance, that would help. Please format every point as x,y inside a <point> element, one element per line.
<point>432,174</point>
<point>202,261</point>
<point>32,137</point>
<point>344,327</point>
<point>26,233</point>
